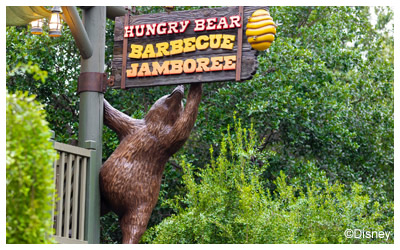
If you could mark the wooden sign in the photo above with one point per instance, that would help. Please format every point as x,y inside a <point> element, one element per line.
<point>182,47</point>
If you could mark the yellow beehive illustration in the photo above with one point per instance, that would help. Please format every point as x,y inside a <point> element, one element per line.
<point>260,30</point>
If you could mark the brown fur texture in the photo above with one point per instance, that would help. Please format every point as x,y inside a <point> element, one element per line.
<point>130,178</point>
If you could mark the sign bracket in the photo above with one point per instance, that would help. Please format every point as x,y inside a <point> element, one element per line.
<point>94,82</point>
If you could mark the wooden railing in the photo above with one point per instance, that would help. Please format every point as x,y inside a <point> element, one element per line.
<point>71,173</point>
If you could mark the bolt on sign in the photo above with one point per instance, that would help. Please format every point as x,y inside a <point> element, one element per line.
<point>204,45</point>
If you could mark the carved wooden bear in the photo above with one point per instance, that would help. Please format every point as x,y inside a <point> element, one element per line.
<point>130,178</point>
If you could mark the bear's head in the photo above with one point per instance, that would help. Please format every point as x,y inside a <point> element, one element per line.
<point>166,110</point>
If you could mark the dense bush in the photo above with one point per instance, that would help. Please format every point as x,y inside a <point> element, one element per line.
<point>227,202</point>
<point>30,186</point>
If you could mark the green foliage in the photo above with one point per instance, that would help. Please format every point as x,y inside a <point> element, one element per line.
<point>110,230</point>
<point>227,202</point>
<point>59,61</point>
<point>34,70</point>
<point>321,102</point>
<point>30,157</point>
<point>323,93</point>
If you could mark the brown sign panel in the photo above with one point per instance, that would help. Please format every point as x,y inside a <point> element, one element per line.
<point>183,47</point>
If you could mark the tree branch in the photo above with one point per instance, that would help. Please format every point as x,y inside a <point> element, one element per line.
<point>176,165</point>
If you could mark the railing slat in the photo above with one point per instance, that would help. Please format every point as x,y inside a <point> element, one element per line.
<point>68,196</point>
<point>53,211</point>
<point>72,149</point>
<point>75,192</point>
<point>71,172</point>
<point>60,188</point>
<point>82,198</point>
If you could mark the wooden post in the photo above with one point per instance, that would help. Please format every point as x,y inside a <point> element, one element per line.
<point>240,47</point>
<point>124,52</point>
<point>91,115</point>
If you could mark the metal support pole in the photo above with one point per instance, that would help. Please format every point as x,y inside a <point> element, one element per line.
<point>91,113</point>
<point>74,22</point>
<point>114,11</point>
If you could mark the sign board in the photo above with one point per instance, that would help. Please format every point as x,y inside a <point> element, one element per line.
<point>205,45</point>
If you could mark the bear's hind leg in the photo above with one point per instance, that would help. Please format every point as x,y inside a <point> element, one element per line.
<point>133,225</point>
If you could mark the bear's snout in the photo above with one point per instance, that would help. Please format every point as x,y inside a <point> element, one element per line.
<point>180,89</point>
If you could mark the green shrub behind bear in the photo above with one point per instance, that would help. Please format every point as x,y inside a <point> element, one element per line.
<point>30,186</point>
<point>228,202</point>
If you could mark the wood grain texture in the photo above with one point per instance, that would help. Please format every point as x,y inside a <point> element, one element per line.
<point>249,55</point>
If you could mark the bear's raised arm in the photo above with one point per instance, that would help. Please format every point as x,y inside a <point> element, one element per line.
<point>183,126</point>
<point>119,122</point>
